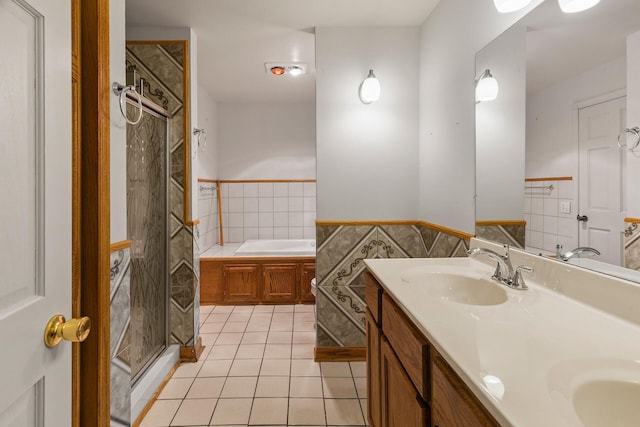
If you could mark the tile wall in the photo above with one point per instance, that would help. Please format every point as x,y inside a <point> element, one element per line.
<point>268,210</point>
<point>209,229</point>
<point>632,246</point>
<point>550,215</point>
<point>120,337</point>
<point>508,234</point>
<point>160,64</point>
<point>340,302</point>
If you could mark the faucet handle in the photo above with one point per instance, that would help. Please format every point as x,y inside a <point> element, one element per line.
<point>518,281</point>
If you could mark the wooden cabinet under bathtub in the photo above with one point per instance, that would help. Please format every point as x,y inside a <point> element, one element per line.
<point>256,280</point>
<point>408,383</point>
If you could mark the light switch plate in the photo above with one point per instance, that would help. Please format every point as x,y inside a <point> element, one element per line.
<point>565,206</point>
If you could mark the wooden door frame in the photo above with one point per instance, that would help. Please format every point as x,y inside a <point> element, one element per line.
<point>91,210</point>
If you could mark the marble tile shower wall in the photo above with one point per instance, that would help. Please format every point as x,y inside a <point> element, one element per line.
<point>340,271</point>
<point>632,246</point>
<point>550,215</point>
<point>161,66</point>
<point>208,230</point>
<point>268,210</point>
<point>120,337</point>
<point>512,235</point>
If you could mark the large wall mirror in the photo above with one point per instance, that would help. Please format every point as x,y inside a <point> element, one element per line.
<point>550,175</point>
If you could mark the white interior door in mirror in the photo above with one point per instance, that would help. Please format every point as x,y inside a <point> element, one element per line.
<point>601,178</point>
<point>35,222</point>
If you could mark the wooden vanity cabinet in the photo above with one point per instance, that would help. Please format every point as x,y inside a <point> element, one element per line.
<point>408,383</point>
<point>256,280</point>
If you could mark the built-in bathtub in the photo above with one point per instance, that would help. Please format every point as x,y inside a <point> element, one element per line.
<point>258,272</point>
<point>294,247</point>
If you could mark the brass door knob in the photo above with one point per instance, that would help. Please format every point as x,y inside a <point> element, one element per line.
<point>58,329</point>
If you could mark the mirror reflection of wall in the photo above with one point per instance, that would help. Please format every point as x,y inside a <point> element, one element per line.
<point>581,73</point>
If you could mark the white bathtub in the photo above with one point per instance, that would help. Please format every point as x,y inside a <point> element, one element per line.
<point>296,247</point>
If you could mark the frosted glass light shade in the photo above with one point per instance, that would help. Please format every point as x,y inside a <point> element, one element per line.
<point>486,88</point>
<point>369,89</point>
<point>573,6</point>
<point>506,6</point>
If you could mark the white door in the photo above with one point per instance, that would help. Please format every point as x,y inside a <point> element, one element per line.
<point>35,219</point>
<point>601,178</point>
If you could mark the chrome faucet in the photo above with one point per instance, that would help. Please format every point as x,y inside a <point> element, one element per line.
<point>577,251</point>
<point>504,272</point>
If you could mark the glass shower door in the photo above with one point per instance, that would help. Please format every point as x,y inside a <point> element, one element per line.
<point>147,225</point>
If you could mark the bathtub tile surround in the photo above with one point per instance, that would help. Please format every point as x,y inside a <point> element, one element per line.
<point>507,234</point>
<point>268,210</point>
<point>632,245</point>
<point>160,64</point>
<point>550,214</point>
<point>209,232</point>
<point>120,309</point>
<point>340,270</point>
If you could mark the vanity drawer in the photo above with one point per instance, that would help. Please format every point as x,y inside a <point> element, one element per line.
<point>410,346</point>
<point>373,296</point>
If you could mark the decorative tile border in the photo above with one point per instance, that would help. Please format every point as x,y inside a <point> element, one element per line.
<point>120,337</point>
<point>341,250</point>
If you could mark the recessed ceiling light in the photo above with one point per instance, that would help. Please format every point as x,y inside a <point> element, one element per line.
<point>282,68</point>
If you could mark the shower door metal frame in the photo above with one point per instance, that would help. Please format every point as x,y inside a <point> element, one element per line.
<point>150,107</point>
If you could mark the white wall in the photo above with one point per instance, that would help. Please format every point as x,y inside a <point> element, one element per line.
<point>266,141</point>
<point>118,136</point>
<point>179,33</point>
<point>552,144</point>
<point>633,120</point>
<point>450,38</point>
<point>366,154</point>
<point>500,129</point>
<point>207,120</point>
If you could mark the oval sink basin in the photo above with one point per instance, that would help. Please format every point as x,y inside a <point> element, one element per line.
<point>608,403</point>
<point>460,288</point>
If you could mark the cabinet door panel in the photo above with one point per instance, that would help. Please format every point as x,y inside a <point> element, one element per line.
<point>241,283</point>
<point>280,282</point>
<point>401,403</point>
<point>373,371</point>
<point>409,344</point>
<point>452,403</point>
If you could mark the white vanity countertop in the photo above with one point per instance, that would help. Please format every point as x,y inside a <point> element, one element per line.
<point>523,358</point>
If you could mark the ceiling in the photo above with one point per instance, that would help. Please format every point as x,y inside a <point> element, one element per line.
<point>236,37</point>
<point>562,45</point>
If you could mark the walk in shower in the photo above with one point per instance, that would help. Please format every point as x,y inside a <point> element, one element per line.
<point>147,228</point>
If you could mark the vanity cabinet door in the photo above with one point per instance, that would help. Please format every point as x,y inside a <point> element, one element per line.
<point>241,283</point>
<point>373,371</point>
<point>401,403</point>
<point>280,282</point>
<point>308,273</point>
<point>452,404</point>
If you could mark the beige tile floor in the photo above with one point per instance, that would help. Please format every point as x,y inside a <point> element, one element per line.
<point>258,370</point>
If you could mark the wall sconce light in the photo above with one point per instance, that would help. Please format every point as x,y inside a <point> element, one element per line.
<point>202,138</point>
<point>486,87</point>
<point>369,90</point>
<point>506,6</point>
<point>573,6</point>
